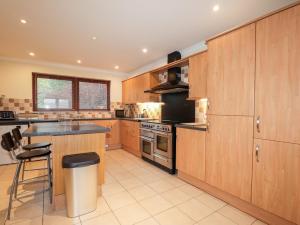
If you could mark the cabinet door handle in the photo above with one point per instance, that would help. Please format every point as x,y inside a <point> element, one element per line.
<point>258,124</point>
<point>257,148</point>
<point>208,104</point>
<point>207,126</point>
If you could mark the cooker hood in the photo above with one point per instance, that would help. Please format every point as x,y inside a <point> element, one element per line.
<point>174,84</point>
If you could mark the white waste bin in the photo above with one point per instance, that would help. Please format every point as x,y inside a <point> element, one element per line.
<point>81,182</point>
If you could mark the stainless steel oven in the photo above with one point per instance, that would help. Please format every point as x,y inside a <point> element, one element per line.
<point>147,143</point>
<point>163,144</point>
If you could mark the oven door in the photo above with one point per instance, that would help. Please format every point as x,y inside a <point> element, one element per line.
<point>163,144</point>
<point>147,145</point>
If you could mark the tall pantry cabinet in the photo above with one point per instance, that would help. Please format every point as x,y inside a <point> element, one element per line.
<point>276,161</point>
<point>230,92</point>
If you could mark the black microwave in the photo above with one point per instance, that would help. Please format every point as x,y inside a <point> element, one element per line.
<point>119,113</point>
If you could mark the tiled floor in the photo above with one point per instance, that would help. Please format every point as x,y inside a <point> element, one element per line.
<point>135,193</point>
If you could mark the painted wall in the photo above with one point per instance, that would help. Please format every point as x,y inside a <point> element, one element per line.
<point>16,77</point>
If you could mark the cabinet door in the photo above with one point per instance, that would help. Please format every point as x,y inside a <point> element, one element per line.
<point>190,152</point>
<point>125,92</point>
<point>124,133</point>
<point>115,132</point>
<point>231,67</point>
<point>197,76</point>
<point>276,179</point>
<point>229,143</point>
<point>277,97</point>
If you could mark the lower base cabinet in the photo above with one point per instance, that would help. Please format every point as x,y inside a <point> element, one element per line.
<point>229,142</point>
<point>276,178</point>
<point>130,136</point>
<point>190,152</point>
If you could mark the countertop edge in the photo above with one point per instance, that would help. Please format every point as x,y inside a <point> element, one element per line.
<point>200,128</point>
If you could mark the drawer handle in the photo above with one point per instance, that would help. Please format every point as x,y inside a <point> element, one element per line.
<point>257,148</point>
<point>258,124</point>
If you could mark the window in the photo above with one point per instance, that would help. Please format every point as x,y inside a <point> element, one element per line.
<point>53,92</point>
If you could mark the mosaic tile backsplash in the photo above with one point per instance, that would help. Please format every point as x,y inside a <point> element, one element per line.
<point>24,106</point>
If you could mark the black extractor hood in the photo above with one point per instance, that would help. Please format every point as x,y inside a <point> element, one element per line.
<point>174,84</point>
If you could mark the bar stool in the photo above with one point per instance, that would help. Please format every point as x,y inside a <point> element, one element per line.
<point>9,145</point>
<point>18,138</point>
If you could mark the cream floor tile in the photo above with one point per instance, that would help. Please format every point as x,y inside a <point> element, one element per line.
<point>112,188</point>
<point>34,221</point>
<point>161,186</point>
<point>119,200</point>
<point>59,217</point>
<point>105,219</point>
<point>191,190</point>
<point>155,205</point>
<point>131,214</point>
<point>175,181</point>
<point>142,172</point>
<point>109,179</point>
<point>173,216</point>
<point>257,222</point>
<point>124,175</point>
<point>102,208</point>
<point>131,183</point>
<point>141,192</point>
<point>25,213</point>
<point>211,201</point>
<point>175,196</point>
<point>150,178</point>
<point>236,215</point>
<point>216,219</point>
<point>195,209</point>
<point>149,221</point>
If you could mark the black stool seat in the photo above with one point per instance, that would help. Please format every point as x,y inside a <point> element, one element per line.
<point>33,154</point>
<point>36,145</point>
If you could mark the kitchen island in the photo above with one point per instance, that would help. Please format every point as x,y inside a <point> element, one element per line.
<point>69,138</point>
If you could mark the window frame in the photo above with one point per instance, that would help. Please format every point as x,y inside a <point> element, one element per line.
<point>75,91</point>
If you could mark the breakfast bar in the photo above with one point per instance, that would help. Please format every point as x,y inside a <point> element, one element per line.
<point>69,138</point>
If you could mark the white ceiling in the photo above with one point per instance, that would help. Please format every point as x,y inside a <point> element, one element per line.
<point>61,30</point>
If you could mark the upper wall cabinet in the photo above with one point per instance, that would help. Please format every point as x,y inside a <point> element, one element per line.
<point>197,76</point>
<point>133,89</point>
<point>231,67</point>
<point>277,97</point>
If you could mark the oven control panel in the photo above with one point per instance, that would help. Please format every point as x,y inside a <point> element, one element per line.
<point>157,126</point>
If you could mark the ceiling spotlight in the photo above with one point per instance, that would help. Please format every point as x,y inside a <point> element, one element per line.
<point>78,61</point>
<point>94,38</point>
<point>23,21</point>
<point>144,50</point>
<point>216,8</point>
<point>117,67</point>
<point>31,53</point>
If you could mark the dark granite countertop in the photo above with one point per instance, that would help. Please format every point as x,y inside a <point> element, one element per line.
<point>200,127</point>
<point>25,121</point>
<point>63,128</point>
<point>32,121</point>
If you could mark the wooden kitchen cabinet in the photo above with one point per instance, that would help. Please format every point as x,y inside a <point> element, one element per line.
<point>231,72</point>
<point>190,152</point>
<point>229,141</point>
<point>276,180</point>
<point>197,76</point>
<point>277,94</point>
<point>130,136</point>
<point>133,89</point>
<point>113,139</point>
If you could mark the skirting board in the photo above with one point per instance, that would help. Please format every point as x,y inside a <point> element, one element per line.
<point>246,207</point>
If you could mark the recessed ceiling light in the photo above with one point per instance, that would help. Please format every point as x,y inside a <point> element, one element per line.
<point>23,21</point>
<point>78,61</point>
<point>117,67</point>
<point>216,8</point>
<point>94,38</point>
<point>31,53</point>
<point>144,50</point>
